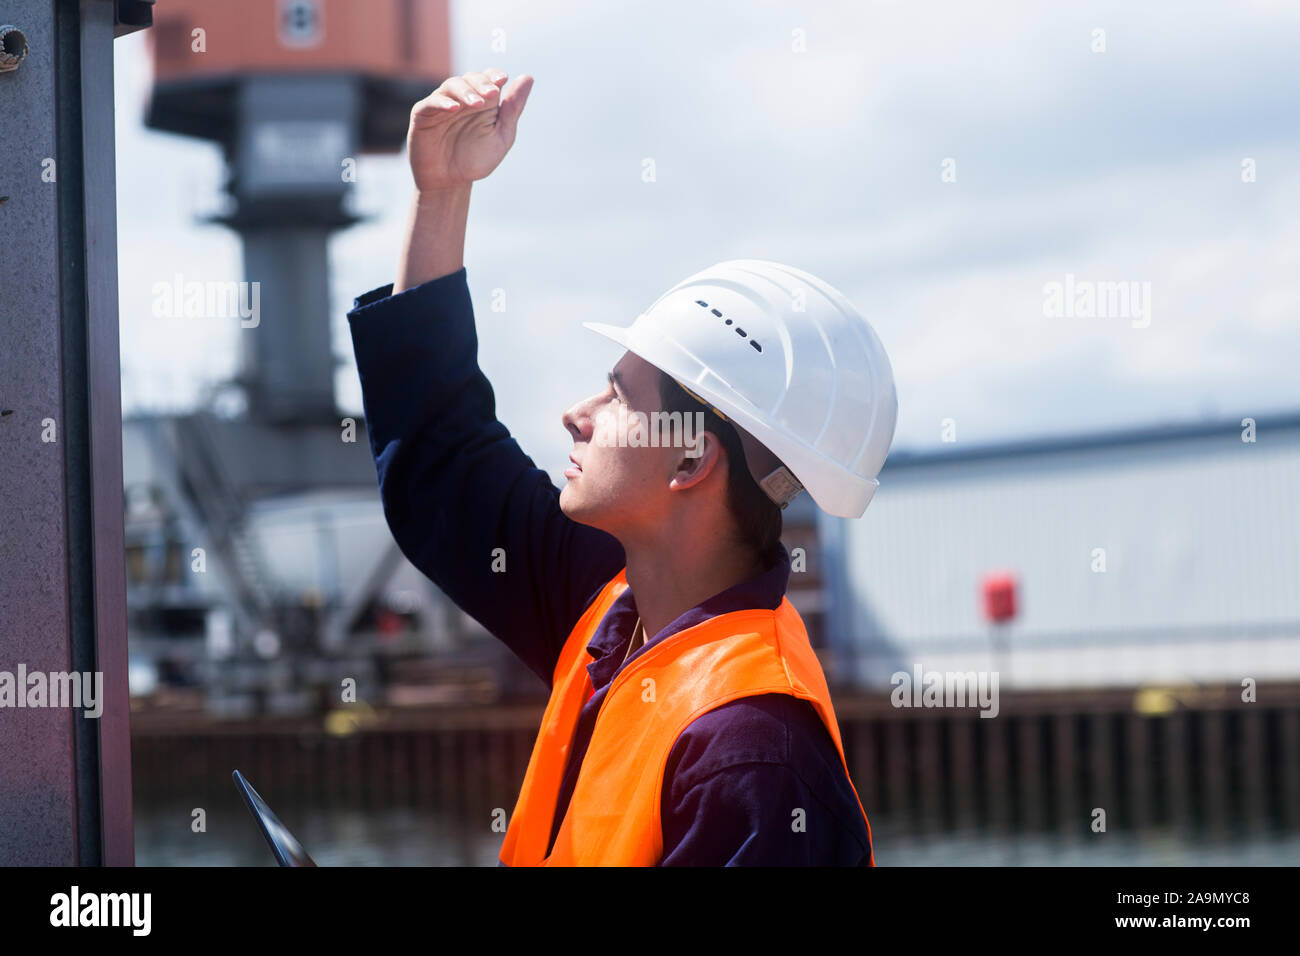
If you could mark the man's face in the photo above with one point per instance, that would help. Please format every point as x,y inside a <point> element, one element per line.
<point>621,482</point>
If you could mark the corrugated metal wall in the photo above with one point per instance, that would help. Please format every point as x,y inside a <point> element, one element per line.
<point>1201,533</point>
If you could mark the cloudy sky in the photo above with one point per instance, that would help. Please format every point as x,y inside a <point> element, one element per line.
<point>1118,166</point>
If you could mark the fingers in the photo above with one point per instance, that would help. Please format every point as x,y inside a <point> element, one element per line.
<point>474,90</point>
<point>434,104</point>
<point>512,104</point>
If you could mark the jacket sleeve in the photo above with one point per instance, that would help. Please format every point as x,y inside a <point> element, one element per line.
<point>466,506</point>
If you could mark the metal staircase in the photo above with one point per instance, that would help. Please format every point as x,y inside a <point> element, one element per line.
<point>220,515</point>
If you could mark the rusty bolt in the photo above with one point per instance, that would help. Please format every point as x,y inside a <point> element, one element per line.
<point>13,48</point>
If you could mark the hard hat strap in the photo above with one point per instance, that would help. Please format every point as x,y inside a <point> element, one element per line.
<point>702,401</point>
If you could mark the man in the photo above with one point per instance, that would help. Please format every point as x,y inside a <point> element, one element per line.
<point>689,721</point>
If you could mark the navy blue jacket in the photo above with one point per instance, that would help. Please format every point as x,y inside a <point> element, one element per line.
<point>455,486</point>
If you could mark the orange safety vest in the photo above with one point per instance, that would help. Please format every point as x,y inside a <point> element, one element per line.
<point>613,817</point>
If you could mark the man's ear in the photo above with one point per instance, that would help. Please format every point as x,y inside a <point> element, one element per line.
<point>696,462</point>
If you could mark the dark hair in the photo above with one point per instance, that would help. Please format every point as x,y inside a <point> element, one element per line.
<point>757,517</point>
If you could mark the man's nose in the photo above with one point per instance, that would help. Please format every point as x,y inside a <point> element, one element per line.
<point>577,420</point>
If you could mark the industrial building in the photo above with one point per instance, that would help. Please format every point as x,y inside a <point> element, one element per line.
<point>1160,554</point>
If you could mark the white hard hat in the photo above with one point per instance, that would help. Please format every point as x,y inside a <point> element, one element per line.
<point>789,360</point>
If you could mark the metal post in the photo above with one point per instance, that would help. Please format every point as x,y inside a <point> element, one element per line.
<point>65,778</point>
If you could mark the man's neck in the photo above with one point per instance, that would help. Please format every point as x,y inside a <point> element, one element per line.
<point>668,579</point>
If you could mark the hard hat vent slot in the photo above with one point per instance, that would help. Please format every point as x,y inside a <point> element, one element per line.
<point>739,331</point>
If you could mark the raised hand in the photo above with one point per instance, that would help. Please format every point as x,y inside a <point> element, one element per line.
<point>462,130</point>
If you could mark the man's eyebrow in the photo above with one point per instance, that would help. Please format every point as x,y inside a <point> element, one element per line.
<point>616,380</point>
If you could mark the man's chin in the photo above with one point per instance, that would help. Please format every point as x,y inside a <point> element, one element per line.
<point>572,505</point>
<point>569,503</point>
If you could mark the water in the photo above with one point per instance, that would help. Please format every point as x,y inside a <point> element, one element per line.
<point>1142,848</point>
<point>415,836</point>
<point>333,836</point>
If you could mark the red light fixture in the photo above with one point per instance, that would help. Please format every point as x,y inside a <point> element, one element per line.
<point>999,593</point>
